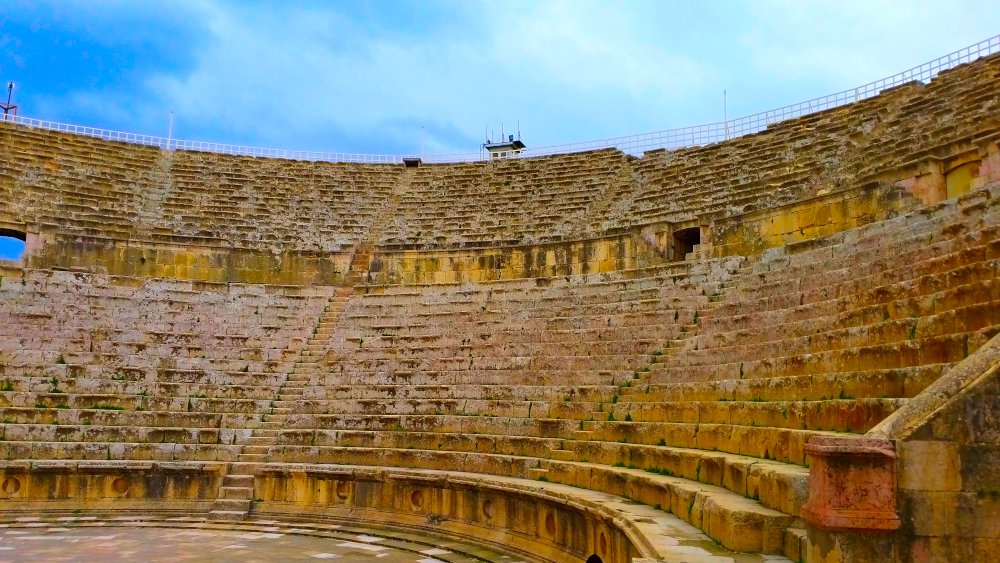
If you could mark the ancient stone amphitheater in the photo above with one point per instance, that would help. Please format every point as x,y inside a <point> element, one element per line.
<point>780,345</point>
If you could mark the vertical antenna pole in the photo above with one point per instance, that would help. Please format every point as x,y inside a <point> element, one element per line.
<point>170,129</point>
<point>421,142</point>
<point>725,116</point>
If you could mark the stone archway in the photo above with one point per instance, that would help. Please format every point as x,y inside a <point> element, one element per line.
<point>12,244</point>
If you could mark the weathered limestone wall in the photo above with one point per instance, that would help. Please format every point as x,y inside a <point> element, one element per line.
<point>592,256</point>
<point>74,486</point>
<point>752,233</point>
<point>928,182</point>
<point>949,477</point>
<point>196,260</point>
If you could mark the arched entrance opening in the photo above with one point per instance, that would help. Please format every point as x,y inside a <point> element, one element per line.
<point>12,244</point>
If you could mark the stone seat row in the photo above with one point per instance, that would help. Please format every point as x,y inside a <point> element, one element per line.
<point>616,340</point>
<point>642,421</point>
<point>20,432</point>
<point>66,361</point>
<point>134,451</point>
<point>393,374</point>
<point>330,386</point>
<point>945,349</point>
<point>680,285</point>
<point>71,387</point>
<point>113,418</point>
<point>955,263</point>
<point>783,441</point>
<point>808,337</point>
<point>899,382</point>
<point>136,403</point>
<point>706,506</point>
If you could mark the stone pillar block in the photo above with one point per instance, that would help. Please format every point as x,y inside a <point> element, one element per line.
<point>852,484</point>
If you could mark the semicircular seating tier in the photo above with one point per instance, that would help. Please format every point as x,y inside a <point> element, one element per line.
<point>841,306</point>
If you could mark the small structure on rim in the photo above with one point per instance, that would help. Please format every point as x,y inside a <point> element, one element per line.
<point>505,149</point>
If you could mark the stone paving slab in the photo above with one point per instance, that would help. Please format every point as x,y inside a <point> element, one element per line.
<point>150,539</point>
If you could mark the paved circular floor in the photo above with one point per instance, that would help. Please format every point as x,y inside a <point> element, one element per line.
<point>55,539</point>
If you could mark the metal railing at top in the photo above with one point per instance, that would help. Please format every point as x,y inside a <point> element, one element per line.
<point>696,135</point>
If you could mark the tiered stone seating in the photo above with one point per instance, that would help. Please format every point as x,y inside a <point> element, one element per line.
<point>117,191</point>
<point>100,367</point>
<point>94,187</point>
<point>507,201</point>
<point>500,378</point>
<point>834,149</point>
<point>657,409</point>
<point>691,387</point>
<point>802,344</point>
<point>305,205</point>
<point>78,185</point>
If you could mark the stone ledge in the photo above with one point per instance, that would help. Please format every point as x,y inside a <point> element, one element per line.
<point>653,533</point>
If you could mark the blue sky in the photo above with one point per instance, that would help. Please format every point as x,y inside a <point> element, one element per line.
<point>365,76</point>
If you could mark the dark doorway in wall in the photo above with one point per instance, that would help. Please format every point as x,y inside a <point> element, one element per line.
<point>595,558</point>
<point>11,244</point>
<point>684,241</point>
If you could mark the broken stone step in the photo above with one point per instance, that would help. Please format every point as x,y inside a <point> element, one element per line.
<point>795,544</point>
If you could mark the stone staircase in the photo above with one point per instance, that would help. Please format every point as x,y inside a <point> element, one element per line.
<point>361,260</point>
<point>235,498</point>
<point>687,333</point>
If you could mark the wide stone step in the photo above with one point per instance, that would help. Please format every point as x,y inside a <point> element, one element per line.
<point>736,522</point>
<point>236,493</point>
<point>227,515</point>
<point>231,505</point>
<point>238,480</point>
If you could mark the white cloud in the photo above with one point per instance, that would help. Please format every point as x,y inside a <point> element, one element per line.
<point>332,77</point>
<point>549,65</point>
